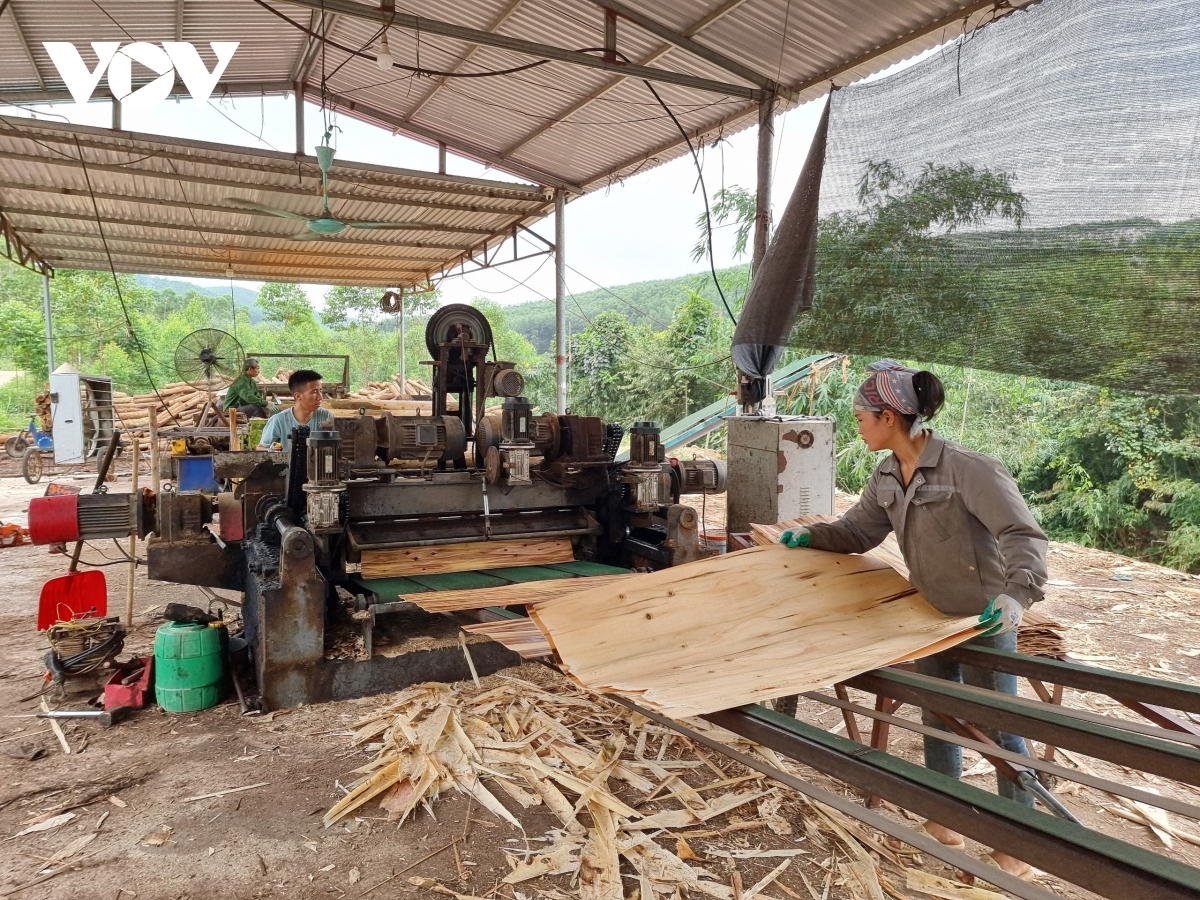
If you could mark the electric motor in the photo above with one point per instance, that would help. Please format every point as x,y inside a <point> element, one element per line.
<point>515,415</point>
<point>324,487</point>
<point>507,381</point>
<point>644,446</point>
<point>324,447</point>
<point>421,437</point>
<point>701,476</point>
<point>72,517</point>
<point>643,473</point>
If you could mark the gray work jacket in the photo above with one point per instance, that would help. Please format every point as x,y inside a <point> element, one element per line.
<point>962,525</point>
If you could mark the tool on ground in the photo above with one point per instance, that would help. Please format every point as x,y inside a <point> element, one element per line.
<point>182,612</point>
<point>106,718</point>
<point>130,685</point>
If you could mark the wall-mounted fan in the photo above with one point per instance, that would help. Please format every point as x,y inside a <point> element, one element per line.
<point>327,224</point>
<point>209,359</point>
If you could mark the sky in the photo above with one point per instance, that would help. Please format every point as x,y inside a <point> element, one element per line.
<point>641,229</point>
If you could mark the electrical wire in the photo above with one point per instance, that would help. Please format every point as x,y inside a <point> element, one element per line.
<point>418,70</point>
<point>666,326</point>
<point>625,340</point>
<point>519,284</point>
<point>704,192</point>
<point>117,283</point>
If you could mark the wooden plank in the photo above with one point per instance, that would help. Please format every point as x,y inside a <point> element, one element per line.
<point>441,558</point>
<point>888,552</point>
<point>1038,634</point>
<point>742,628</point>
<point>519,635</point>
<point>511,594</point>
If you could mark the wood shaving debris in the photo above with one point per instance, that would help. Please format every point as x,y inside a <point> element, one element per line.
<point>157,838</point>
<point>47,824</point>
<point>583,758</point>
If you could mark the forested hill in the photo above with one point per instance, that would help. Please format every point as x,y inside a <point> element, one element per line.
<point>643,302</point>
<point>243,296</point>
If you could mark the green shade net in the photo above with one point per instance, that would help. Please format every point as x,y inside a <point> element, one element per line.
<point>1025,200</point>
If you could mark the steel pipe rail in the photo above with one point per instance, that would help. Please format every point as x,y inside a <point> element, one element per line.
<point>1189,810</point>
<point>1037,720</point>
<point>1094,861</point>
<point>1083,678</point>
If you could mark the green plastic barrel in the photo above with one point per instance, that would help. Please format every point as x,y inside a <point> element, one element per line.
<point>189,665</point>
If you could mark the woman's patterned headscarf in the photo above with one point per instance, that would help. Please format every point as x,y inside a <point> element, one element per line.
<point>890,386</point>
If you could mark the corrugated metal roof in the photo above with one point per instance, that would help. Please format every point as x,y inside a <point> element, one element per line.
<point>559,124</point>
<point>168,206</point>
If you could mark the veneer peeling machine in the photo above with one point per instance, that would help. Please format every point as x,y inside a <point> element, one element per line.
<point>291,528</point>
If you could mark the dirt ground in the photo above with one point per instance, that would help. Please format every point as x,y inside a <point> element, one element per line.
<point>132,830</point>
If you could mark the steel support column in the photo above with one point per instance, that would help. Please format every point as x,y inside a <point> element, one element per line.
<point>299,91</point>
<point>560,300</point>
<point>762,211</point>
<point>49,321</point>
<point>403,376</point>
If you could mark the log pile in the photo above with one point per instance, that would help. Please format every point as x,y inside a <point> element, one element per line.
<point>412,398</point>
<point>630,798</point>
<point>178,403</point>
<point>412,389</point>
<point>175,403</point>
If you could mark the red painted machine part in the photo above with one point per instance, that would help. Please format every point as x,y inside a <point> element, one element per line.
<point>54,520</point>
<point>229,517</point>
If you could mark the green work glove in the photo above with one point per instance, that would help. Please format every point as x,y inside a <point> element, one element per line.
<point>797,538</point>
<point>1001,615</point>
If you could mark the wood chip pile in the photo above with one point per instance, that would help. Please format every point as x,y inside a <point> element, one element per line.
<point>632,799</point>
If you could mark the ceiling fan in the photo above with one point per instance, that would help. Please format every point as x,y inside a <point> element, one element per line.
<point>327,224</point>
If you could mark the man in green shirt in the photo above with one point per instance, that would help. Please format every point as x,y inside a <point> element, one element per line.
<point>244,395</point>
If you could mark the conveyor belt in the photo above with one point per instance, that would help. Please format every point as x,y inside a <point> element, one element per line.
<point>393,589</point>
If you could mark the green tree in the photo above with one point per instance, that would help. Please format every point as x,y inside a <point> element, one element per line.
<point>286,305</point>
<point>599,369</point>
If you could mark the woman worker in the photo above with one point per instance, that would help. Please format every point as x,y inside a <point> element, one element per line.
<point>970,542</point>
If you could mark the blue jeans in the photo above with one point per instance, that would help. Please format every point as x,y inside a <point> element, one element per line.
<point>947,758</point>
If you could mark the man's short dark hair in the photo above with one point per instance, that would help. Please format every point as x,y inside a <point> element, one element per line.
<point>302,377</point>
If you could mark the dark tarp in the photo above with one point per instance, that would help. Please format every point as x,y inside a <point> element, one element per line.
<point>786,280</point>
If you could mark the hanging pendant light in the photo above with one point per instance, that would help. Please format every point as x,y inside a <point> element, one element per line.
<point>383,57</point>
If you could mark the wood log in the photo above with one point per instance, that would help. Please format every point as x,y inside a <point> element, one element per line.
<point>441,558</point>
<point>510,594</point>
<point>743,628</point>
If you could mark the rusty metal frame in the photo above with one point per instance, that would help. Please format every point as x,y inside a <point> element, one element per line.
<point>17,250</point>
<point>1094,861</point>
